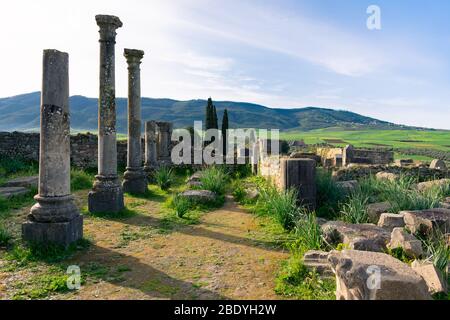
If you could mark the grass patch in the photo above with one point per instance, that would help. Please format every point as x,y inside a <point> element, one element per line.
<point>41,286</point>
<point>5,236</point>
<point>23,255</point>
<point>181,205</point>
<point>125,213</point>
<point>156,285</point>
<point>80,180</point>
<point>164,177</point>
<point>329,195</point>
<point>296,281</point>
<point>355,209</point>
<point>16,202</point>
<point>308,233</point>
<point>215,179</point>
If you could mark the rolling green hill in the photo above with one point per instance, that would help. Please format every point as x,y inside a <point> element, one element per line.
<point>21,113</point>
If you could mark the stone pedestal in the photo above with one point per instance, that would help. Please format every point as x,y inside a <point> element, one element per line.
<point>301,175</point>
<point>135,180</point>
<point>54,218</point>
<point>107,194</point>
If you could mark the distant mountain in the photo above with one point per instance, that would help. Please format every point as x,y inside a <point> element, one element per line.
<point>21,113</point>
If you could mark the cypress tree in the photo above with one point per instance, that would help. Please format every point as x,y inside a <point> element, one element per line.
<point>215,122</point>
<point>208,116</point>
<point>224,130</point>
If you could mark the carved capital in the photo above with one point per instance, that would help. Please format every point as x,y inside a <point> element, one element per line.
<point>108,26</point>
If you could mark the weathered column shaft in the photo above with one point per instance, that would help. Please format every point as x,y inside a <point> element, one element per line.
<point>54,152</point>
<point>107,162</point>
<point>164,139</point>
<point>107,194</point>
<point>151,156</point>
<point>134,107</point>
<point>300,174</point>
<point>54,218</point>
<point>134,178</point>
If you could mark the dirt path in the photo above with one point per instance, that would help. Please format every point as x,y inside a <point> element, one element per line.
<point>226,256</point>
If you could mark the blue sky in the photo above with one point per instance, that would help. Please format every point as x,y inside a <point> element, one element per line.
<point>276,53</point>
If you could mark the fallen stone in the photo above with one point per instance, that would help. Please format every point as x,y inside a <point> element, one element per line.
<point>200,196</point>
<point>348,186</point>
<point>383,175</point>
<point>365,237</point>
<point>427,221</point>
<point>433,277</point>
<point>318,261</point>
<point>364,275</point>
<point>374,210</point>
<point>196,176</point>
<point>194,183</point>
<point>9,192</point>
<point>25,182</point>
<point>438,164</point>
<point>423,186</point>
<point>390,221</point>
<point>252,193</point>
<point>400,238</point>
<point>446,203</point>
<point>404,162</point>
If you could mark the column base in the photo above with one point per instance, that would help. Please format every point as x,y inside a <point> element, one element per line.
<point>135,181</point>
<point>53,209</point>
<point>106,195</point>
<point>59,233</point>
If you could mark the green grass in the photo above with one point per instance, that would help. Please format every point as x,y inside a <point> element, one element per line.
<point>424,139</point>
<point>329,195</point>
<point>80,180</point>
<point>164,177</point>
<point>354,210</point>
<point>296,281</point>
<point>215,179</point>
<point>282,205</point>
<point>308,233</point>
<point>181,205</point>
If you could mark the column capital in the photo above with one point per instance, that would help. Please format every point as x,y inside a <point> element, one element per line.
<point>133,55</point>
<point>108,26</point>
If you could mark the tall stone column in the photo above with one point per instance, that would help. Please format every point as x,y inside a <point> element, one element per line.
<point>107,194</point>
<point>151,153</point>
<point>164,140</point>
<point>135,180</point>
<point>54,218</point>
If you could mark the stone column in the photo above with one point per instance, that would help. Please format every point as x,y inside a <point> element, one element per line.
<point>107,194</point>
<point>151,154</point>
<point>54,218</point>
<point>164,140</point>
<point>301,175</point>
<point>135,180</point>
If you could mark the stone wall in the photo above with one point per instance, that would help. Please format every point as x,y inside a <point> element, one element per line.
<point>337,157</point>
<point>83,147</point>
<point>269,167</point>
<point>358,172</point>
<point>369,156</point>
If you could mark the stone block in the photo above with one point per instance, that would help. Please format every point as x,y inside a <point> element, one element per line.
<point>362,275</point>
<point>60,233</point>
<point>390,221</point>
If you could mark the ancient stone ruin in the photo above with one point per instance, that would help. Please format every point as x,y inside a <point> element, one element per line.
<point>107,194</point>
<point>135,180</point>
<point>55,217</point>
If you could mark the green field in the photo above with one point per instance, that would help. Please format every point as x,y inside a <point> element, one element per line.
<point>418,139</point>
